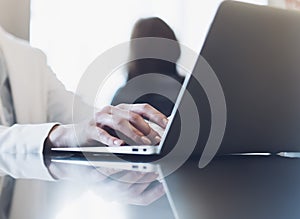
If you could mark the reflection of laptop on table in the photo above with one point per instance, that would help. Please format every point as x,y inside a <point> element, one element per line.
<point>109,166</point>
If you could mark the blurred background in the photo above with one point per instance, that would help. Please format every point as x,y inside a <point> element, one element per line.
<point>73,33</point>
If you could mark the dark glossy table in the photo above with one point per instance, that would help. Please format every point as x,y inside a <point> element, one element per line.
<point>241,187</point>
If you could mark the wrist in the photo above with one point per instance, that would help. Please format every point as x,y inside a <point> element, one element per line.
<point>62,135</point>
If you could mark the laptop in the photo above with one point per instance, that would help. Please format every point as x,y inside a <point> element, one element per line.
<point>134,149</point>
<point>254,52</point>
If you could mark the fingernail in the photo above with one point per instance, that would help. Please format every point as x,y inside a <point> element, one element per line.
<point>165,121</point>
<point>117,142</point>
<point>157,138</point>
<point>146,140</point>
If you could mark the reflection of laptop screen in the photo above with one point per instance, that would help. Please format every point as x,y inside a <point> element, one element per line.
<point>165,202</point>
<point>136,149</point>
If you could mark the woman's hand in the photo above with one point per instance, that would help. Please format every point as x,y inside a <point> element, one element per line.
<point>127,119</point>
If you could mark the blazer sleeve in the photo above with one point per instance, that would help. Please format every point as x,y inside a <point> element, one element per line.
<point>22,142</point>
<point>24,138</point>
<point>60,103</point>
<point>29,138</point>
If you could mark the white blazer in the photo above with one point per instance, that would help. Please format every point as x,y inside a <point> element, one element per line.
<point>40,99</point>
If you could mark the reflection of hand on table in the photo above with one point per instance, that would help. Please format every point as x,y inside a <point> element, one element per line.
<point>124,186</point>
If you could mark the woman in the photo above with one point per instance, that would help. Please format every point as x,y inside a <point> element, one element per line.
<point>164,82</point>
